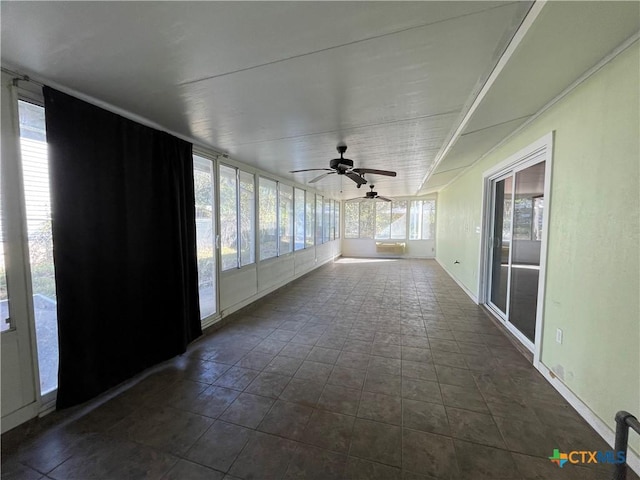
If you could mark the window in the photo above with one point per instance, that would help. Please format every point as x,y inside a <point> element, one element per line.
<point>310,219</point>
<point>388,220</point>
<point>228,217</point>
<point>286,219</point>
<point>237,218</point>
<point>268,218</point>
<point>367,220</point>
<point>383,219</point>
<point>332,234</point>
<point>351,219</point>
<point>326,221</point>
<point>35,170</point>
<point>422,219</point>
<point>337,219</point>
<point>203,189</point>
<point>4,295</point>
<point>299,206</point>
<point>247,219</point>
<point>399,220</point>
<point>319,205</point>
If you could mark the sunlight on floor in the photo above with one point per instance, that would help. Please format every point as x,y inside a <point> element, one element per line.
<point>365,260</point>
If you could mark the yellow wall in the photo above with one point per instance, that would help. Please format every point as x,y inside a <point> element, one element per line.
<point>593,271</point>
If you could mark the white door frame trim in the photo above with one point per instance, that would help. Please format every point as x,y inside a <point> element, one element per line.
<point>541,149</point>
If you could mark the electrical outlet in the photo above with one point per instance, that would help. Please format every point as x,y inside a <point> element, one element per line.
<point>559,336</point>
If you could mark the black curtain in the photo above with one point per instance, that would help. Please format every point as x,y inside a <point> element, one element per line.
<point>124,246</point>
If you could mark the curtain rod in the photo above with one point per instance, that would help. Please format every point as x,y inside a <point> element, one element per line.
<point>206,149</point>
<point>18,77</point>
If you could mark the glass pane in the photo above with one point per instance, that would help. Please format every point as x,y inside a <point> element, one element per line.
<point>310,222</point>
<point>428,219</point>
<point>538,212</point>
<point>337,219</point>
<point>4,295</point>
<point>367,219</point>
<point>299,218</point>
<point>399,220</point>
<point>501,243</point>
<point>415,217</point>
<point>268,218</point>
<point>332,234</point>
<point>319,204</point>
<point>351,219</point>
<point>383,219</point>
<point>525,257</point>
<point>286,219</point>
<point>247,219</point>
<point>35,168</point>
<point>326,222</point>
<point>203,189</point>
<point>522,218</point>
<point>228,217</point>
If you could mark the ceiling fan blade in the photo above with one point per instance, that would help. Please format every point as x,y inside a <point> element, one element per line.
<point>355,198</point>
<point>384,199</point>
<point>356,178</point>
<point>388,173</point>
<point>320,177</point>
<point>310,170</point>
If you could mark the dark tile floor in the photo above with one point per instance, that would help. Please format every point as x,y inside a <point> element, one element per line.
<point>360,370</point>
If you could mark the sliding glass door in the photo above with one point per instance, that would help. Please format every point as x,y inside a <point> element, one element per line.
<point>501,243</point>
<point>514,253</point>
<point>37,201</point>
<point>203,179</point>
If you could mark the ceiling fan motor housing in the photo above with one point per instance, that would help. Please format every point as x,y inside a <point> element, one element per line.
<point>340,161</point>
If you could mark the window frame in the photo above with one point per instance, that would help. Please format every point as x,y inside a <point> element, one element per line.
<point>260,219</point>
<point>253,219</point>
<point>279,186</point>
<point>209,318</point>
<point>409,202</point>
<point>295,218</point>
<point>222,165</point>
<point>319,223</point>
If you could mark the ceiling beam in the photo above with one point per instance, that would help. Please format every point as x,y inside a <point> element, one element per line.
<point>528,21</point>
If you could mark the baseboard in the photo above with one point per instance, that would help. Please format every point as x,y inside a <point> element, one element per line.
<point>13,419</point>
<point>263,293</point>
<point>460,284</point>
<point>633,459</point>
<point>604,430</point>
<point>393,257</point>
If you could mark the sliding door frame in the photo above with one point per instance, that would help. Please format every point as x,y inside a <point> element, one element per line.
<point>538,151</point>
<point>502,176</point>
<point>215,165</point>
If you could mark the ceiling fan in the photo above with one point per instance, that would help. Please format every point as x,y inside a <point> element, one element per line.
<point>371,195</point>
<point>344,166</point>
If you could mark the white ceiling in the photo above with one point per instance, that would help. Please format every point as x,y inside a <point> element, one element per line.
<point>278,84</point>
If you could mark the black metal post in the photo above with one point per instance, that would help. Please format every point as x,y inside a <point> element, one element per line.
<point>624,420</point>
